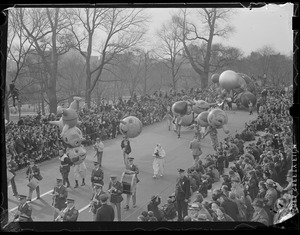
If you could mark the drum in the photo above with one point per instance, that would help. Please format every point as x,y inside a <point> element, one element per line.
<point>9,176</point>
<point>33,183</point>
<point>128,182</point>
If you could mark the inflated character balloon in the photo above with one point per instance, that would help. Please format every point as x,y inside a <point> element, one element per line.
<point>201,119</point>
<point>200,106</point>
<point>217,118</point>
<point>73,137</point>
<point>76,154</point>
<point>180,108</point>
<point>250,83</point>
<point>228,80</point>
<point>247,96</point>
<point>131,126</point>
<point>215,78</point>
<point>69,117</point>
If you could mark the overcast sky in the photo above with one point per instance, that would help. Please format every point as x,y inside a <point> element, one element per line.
<point>270,25</point>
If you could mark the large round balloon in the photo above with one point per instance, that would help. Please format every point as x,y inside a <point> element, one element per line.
<point>201,119</point>
<point>247,96</point>
<point>131,126</point>
<point>215,78</point>
<point>200,106</point>
<point>180,107</point>
<point>228,80</point>
<point>217,118</point>
<point>187,120</point>
<point>250,83</point>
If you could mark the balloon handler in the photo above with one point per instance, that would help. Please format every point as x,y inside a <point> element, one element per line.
<point>213,133</point>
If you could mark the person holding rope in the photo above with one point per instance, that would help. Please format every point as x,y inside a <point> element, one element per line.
<point>99,146</point>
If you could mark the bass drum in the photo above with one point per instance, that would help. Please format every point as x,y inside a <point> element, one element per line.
<point>129,182</point>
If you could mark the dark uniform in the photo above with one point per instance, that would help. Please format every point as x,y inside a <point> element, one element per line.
<point>97,175</point>
<point>182,195</point>
<point>71,214</point>
<point>23,209</point>
<point>33,171</point>
<point>115,188</point>
<point>59,200</point>
<point>95,201</point>
<point>133,170</point>
<point>12,167</point>
<point>64,168</point>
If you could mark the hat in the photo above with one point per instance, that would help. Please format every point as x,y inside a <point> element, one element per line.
<point>24,216</point>
<point>258,202</point>
<point>231,172</point>
<point>97,185</point>
<point>113,176</point>
<point>59,180</point>
<point>103,197</point>
<point>70,200</point>
<point>195,206</point>
<point>130,158</point>
<point>96,163</point>
<point>153,197</point>
<point>270,182</point>
<point>20,196</point>
<point>225,176</point>
<point>180,170</point>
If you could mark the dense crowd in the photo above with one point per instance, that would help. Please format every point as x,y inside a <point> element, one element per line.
<point>32,137</point>
<point>259,183</point>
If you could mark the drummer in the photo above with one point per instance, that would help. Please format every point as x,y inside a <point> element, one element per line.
<point>24,208</point>
<point>132,169</point>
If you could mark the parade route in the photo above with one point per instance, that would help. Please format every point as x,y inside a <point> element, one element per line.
<point>178,155</point>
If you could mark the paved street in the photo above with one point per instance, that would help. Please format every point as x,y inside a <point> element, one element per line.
<point>178,155</point>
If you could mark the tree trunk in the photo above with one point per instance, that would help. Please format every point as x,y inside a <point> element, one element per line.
<point>7,111</point>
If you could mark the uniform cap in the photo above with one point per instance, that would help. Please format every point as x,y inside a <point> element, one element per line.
<point>70,200</point>
<point>97,185</point>
<point>270,182</point>
<point>20,196</point>
<point>130,158</point>
<point>59,180</point>
<point>180,170</point>
<point>113,176</point>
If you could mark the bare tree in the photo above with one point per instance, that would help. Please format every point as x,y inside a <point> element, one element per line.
<point>120,29</point>
<point>18,48</point>
<point>46,29</point>
<point>171,50</point>
<point>211,20</point>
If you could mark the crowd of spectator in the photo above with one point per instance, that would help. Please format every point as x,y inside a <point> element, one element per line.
<point>258,186</point>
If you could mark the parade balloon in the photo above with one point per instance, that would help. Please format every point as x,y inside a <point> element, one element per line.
<point>215,78</point>
<point>241,83</point>
<point>187,120</point>
<point>201,119</point>
<point>73,137</point>
<point>228,80</point>
<point>246,97</point>
<point>250,83</point>
<point>131,126</point>
<point>180,107</point>
<point>77,154</point>
<point>200,106</point>
<point>217,118</point>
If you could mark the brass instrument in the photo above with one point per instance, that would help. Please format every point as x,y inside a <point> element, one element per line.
<point>61,214</point>
<point>112,190</point>
<point>93,202</point>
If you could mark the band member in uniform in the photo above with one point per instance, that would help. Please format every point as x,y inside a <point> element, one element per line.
<point>23,209</point>
<point>97,174</point>
<point>182,194</point>
<point>33,171</point>
<point>60,195</point>
<point>12,167</point>
<point>99,146</point>
<point>64,168</point>
<point>95,201</point>
<point>115,189</point>
<point>70,213</point>
<point>126,148</point>
<point>132,169</point>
